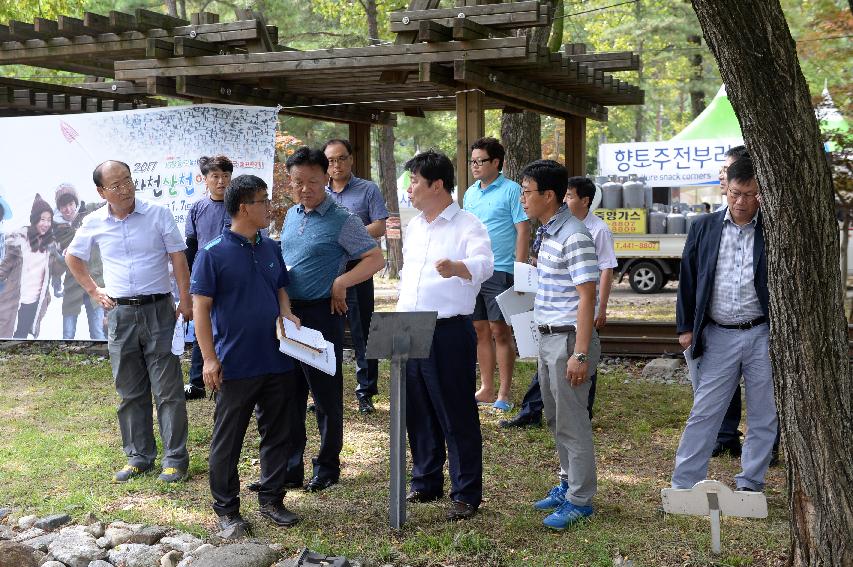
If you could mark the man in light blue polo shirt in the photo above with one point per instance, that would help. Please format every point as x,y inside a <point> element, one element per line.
<point>495,200</point>
<point>317,240</point>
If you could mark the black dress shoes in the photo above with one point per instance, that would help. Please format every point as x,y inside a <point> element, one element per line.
<point>233,526</point>
<point>276,513</point>
<point>421,497</point>
<point>365,405</point>
<point>521,420</point>
<point>317,484</point>
<point>256,486</point>
<point>460,511</point>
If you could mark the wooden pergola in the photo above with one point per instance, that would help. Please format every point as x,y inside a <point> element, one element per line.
<point>461,58</point>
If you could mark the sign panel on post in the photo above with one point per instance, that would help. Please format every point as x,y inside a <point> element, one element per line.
<point>47,162</point>
<point>667,164</point>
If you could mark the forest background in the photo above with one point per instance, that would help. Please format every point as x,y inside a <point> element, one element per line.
<point>678,72</point>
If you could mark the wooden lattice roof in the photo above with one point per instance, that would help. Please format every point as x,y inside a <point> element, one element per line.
<point>437,54</point>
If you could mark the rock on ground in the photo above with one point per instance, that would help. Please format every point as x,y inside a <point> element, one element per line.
<point>76,548</point>
<point>136,555</point>
<point>98,563</point>
<point>183,542</point>
<point>149,535</point>
<point>6,533</point>
<point>41,542</point>
<point>29,534</point>
<point>171,559</point>
<point>14,554</point>
<point>27,522</point>
<point>49,523</point>
<point>238,555</point>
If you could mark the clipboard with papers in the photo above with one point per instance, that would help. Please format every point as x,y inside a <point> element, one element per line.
<point>306,345</point>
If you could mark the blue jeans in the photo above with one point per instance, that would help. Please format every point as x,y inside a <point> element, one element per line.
<point>95,317</point>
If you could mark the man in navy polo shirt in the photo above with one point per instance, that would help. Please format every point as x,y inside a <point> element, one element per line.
<point>317,240</point>
<point>238,285</point>
<point>361,197</point>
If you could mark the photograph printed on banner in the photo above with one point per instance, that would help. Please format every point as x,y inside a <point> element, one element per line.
<point>47,190</point>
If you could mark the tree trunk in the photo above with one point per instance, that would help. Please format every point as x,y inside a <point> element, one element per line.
<point>171,7</point>
<point>388,184</point>
<point>845,243</point>
<point>387,167</point>
<point>808,330</point>
<point>556,40</point>
<point>697,94</point>
<point>182,9</point>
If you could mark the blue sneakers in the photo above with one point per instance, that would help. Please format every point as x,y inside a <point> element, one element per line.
<point>566,515</point>
<point>556,497</point>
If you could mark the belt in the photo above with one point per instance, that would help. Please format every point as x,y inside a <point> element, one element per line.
<point>554,329</point>
<point>310,302</point>
<point>141,299</point>
<point>452,320</point>
<point>744,326</point>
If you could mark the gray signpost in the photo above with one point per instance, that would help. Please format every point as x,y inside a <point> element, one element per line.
<point>399,337</point>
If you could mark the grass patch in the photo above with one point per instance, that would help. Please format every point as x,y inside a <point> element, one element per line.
<point>59,445</point>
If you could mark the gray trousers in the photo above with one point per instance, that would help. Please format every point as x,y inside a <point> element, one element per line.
<point>140,345</point>
<point>728,354</point>
<point>566,413</point>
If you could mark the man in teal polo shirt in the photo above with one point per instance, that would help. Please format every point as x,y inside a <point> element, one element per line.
<point>495,200</point>
<point>318,238</point>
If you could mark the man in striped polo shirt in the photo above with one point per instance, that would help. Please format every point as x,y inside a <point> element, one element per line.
<point>568,347</point>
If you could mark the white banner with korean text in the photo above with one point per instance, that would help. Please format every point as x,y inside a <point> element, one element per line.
<point>46,188</point>
<point>675,163</point>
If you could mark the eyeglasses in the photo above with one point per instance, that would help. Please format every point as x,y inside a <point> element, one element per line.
<point>525,193</point>
<point>480,162</point>
<point>123,184</point>
<point>311,184</point>
<point>724,169</point>
<point>735,195</point>
<point>335,161</point>
<point>266,202</point>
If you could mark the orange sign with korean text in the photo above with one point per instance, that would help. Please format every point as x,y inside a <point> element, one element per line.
<point>624,221</point>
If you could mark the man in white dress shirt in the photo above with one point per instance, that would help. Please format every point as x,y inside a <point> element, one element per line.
<point>137,241</point>
<point>447,255</point>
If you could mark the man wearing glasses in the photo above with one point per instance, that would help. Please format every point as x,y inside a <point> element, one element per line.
<point>495,200</point>
<point>137,241</point>
<point>317,240</point>
<point>721,314</point>
<point>362,198</point>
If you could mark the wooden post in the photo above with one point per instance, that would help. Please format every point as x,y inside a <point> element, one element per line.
<point>359,137</point>
<point>470,126</point>
<point>575,140</point>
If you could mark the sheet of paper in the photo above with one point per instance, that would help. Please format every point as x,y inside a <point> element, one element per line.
<point>512,302</point>
<point>526,278</point>
<point>304,335</point>
<point>526,333</point>
<point>178,337</point>
<point>325,360</point>
<point>692,366</point>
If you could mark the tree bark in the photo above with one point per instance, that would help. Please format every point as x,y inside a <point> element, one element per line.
<point>808,330</point>
<point>697,95</point>
<point>171,7</point>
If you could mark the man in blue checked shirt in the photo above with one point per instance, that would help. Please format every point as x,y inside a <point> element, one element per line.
<point>569,349</point>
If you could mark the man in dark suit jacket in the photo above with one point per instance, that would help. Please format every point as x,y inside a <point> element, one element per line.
<point>722,315</point>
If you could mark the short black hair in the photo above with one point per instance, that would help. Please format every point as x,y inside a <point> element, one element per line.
<point>97,175</point>
<point>742,170</point>
<point>583,186</point>
<point>308,156</point>
<point>341,141</point>
<point>549,176</point>
<point>737,152</point>
<point>493,147</point>
<point>433,165</point>
<point>242,190</point>
<point>220,162</point>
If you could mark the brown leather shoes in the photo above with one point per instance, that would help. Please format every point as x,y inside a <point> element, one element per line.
<point>460,511</point>
<point>421,497</point>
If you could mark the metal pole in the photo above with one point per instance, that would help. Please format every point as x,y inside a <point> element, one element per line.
<point>400,350</point>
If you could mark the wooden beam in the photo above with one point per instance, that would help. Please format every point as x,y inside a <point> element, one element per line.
<point>24,31</point>
<point>96,22</point>
<point>430,31</point>
<point>121,22</point>
<point>359,138</point>
<point>204,18</point>
<point>45,26</point>
<point>470,126</point>
<point>465,29</point>
<point>407,38</point>
<point>146,19</point>
<point>159,48</point>
<point>575,145</point>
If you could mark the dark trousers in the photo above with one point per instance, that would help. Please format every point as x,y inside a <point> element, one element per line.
<point>328,393</point>
<point>531,405</point>
<point>196,366</point>
<point>26,318</point>
<point>359,312</point>
<point>441,410</point>
<point>273,396</point>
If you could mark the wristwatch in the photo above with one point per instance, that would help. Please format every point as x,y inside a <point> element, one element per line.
<point>581,357</point>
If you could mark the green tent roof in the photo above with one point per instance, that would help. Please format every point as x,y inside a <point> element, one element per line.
<point>718,120</point>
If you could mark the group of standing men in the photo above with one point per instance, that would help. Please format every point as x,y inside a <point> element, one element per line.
<point>456,261</point>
